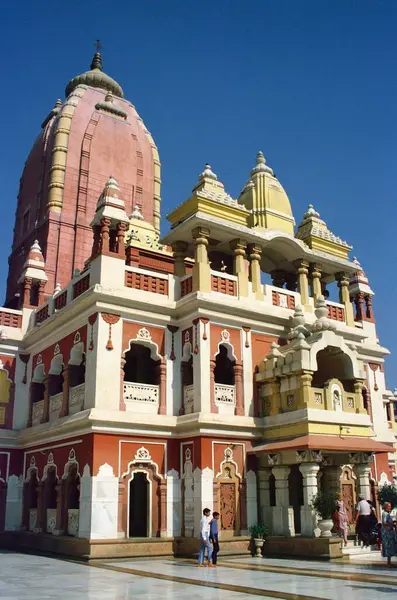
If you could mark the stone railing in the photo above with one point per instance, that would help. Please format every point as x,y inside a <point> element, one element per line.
<point>336,311</point>
<point>283,299</point>
<point>225,394</point>
<point>51,519</point>
<point>55,406</point>
<point>225,398</point>
<point>76,398</point>
<point>318,398</point>
<point>141,397</point>
<point>188,399</point>
<point>223,283</point>
<point>186,285</point>
<point>55,303</point>
<point>32,519</point>
<point>73,521</point>
<point>10,318</point>
<point>37,412</point>
<point>146,281</point>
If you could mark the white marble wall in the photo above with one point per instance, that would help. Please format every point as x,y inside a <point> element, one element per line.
<point>203,494</point>
<point>13,518</point>
<point>252,502</point>
<point>99,504</point>
<point>174,507</point>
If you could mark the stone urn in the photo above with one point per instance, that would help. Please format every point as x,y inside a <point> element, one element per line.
<point>325,526</point>
<point>258,547</point>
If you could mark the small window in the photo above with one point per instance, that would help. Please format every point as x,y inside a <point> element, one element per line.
<point>25,222</point>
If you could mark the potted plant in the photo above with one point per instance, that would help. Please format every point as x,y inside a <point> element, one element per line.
<point>258,532</point>
<point>325,505</point>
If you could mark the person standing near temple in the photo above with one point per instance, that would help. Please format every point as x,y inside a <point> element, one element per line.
<point>364,520</point>
<point>214,537</point>
<point>341,520</point>
<point>389,543</point>
<point>205,538</point>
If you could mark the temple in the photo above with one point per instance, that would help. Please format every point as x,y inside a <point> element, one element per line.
<point>233,363</point>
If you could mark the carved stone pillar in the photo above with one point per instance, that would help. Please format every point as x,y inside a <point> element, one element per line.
<point>239,248</point>
<point>65,391</point>
<point>316,282</point>
<point>363,472</point>
<point>344,298</point>
<point>215,493</point>
<point>40,295</point>
<point>162,379</point>
<point>308,515</point>
<point>120,234</point>
<point>60,489</point>
<point>46,407</point>
<point>306,382</point>
<point>180,252</point>
<point>369,311</point>
<point>41,520</point>
<point>358,391</point>
<point>283,523</point>
<point>120,513</point>
<point>238,382</point>
<point>243,507</point>
<point>255,252</point>
<point>303,282</point>
<point>163,508</point>
<point>291,282</point>
<point>201,270</point>
<point>122,373</point>
<point>214,407</point>
<point>278,278</point>
<point>105,235</point>
<point>359,302</point>
<point>31,397</point>
<point>27,287</point>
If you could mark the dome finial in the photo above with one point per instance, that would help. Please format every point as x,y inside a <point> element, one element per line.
<point>260,165</point>
<point>96,62</point>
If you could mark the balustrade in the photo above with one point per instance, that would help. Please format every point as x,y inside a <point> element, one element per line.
<point>55,406</point>
<point>37,412</point>
<point>188,399</point>
<point>225,398</point>
<point>76,398</point>
<point>141,397</point>
<point>73,521</point>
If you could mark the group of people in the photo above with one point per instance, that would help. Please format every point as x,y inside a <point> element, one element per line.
<point>209,538</point>
<point>369,531</point>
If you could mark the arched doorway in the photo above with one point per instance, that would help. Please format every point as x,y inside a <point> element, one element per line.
<point>224,367</point>
<point>139,505</point>
<point>295,485</point>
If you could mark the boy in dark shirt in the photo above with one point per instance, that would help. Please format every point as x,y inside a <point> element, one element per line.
<point>214,537</point>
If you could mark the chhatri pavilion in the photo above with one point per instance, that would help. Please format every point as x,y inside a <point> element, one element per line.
<point>143,378</point>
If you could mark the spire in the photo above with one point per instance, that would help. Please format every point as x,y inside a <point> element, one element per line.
<point>208,173</point>
<point>96,62</point>
<point>261,166</point>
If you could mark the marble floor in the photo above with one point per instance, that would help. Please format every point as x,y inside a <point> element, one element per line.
<point>24,577</point>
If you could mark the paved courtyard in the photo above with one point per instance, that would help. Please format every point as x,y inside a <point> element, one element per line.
<point>24,577</point>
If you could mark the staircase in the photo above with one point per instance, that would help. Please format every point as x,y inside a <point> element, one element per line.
<point>354,550</point>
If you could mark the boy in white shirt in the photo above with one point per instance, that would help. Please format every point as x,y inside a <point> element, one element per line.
<point>205,538</point>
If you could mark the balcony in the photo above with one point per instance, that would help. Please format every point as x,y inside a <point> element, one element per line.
<point>146,281</point>
<point>55,406</point>
<point>225,398</point>
<point>141,397</point>
<point>37,412</point>
<point>188,399</point>
<point>76,398</point>
<point>223,283</point>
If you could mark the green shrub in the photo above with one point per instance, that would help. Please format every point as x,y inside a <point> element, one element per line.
<point>324,504</point>
<point>258,531</point>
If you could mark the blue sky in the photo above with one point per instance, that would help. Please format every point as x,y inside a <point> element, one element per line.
<point>312,83</point>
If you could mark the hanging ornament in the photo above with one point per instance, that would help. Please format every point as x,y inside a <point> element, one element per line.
<point>204,322</point>
<point>173,329</point>
<point>92,319</point>
<point>196,348</point>
<point>110,320</point>
<point>247,330</point>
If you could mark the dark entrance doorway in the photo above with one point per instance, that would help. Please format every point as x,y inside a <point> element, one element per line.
<point>139,498</point>
<point>295,484</point>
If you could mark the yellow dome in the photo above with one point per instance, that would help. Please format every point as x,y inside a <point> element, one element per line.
<point>267,200</point>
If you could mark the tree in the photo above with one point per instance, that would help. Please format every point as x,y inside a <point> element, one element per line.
<point>388,493</point>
